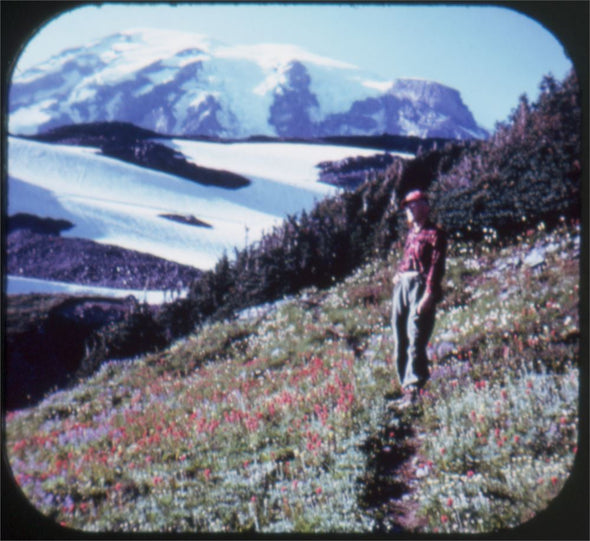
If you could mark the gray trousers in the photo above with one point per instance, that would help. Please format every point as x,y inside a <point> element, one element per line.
<point>411,331</point>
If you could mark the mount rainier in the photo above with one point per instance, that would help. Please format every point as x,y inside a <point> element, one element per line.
<point>188,84</point>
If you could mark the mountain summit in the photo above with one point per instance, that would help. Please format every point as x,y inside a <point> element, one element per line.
<point>188,84</point>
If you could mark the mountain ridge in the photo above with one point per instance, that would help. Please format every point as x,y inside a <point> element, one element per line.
<point>190,85</point>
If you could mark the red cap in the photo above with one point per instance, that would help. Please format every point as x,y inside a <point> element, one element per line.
<point>414,195</point>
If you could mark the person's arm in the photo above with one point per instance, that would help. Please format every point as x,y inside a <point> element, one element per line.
<point>426,302</point>
<point>435,274</point>
<point>405,262</point>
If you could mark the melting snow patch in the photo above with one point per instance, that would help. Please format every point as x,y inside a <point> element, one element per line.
<point>16,285</point>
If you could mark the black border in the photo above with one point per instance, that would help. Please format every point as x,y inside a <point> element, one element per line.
<point>567,517</point>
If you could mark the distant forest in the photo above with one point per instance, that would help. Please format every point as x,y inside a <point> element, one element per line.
<point>526,173</point>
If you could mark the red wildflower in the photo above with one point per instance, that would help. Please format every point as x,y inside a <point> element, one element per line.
<point>450,502</point>
<point>19,445</point>
<point>444,519</point>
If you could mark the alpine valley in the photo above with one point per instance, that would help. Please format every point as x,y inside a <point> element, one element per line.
<point>188,84</point>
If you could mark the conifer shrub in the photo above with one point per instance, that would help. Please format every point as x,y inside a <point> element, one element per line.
<point>138,333</point>
<point>528,172</point>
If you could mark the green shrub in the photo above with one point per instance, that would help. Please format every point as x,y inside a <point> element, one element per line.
<point>528,172</point>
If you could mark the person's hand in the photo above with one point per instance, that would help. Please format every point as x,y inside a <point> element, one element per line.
<point>426,304</point>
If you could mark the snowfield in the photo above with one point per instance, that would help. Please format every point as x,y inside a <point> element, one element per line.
<point>17,285</point>
<point>116,203</point>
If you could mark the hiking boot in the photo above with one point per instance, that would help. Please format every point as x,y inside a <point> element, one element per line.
<point>405,399</point>
<point>413,391</point>
<point>395,394</point>
<point>411,396</point>
<point>403,403</point>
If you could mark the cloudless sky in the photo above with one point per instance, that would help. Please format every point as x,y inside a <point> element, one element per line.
<point>491,55</point>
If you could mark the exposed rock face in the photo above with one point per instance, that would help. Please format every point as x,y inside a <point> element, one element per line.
<point>411,107</point>
<point>227,92</point>
<point>293,102</point>
<point>436,99</point>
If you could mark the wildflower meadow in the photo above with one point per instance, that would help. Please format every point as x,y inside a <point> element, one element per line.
<point>272,421</point>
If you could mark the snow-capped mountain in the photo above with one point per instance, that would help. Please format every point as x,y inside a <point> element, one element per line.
<point>187,84</point>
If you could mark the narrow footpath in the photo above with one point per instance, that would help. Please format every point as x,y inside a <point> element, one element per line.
<point>392,470</point>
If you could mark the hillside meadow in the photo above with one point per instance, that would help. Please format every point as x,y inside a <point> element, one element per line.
<point>281,420</point>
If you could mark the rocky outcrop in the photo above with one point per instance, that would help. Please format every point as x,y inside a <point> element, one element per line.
<point>34,249</point>
<point>290,112</point>
<point>412,107</point>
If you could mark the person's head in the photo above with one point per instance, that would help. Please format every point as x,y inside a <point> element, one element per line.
<point>416,206</point>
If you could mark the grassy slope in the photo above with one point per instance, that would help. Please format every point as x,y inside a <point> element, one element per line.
<point>278,422</point>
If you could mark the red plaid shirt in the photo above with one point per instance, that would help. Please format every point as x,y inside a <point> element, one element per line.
<point>425,252</point>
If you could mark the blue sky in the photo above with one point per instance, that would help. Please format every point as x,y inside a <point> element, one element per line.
<point>491,55</point>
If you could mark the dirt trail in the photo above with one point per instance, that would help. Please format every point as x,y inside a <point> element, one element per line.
<point>392,471</point>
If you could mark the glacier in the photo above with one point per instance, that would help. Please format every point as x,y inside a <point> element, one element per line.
<point>118,203</point>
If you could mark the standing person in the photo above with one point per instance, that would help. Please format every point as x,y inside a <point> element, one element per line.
<point>417,288</point>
